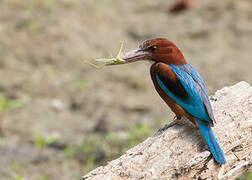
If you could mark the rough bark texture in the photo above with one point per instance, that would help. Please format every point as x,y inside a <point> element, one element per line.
<point>181,153</point>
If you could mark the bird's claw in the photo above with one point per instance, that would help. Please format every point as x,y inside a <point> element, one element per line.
<point>167,126</point>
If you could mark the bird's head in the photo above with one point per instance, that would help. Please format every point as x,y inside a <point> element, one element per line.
<point>157,50</point>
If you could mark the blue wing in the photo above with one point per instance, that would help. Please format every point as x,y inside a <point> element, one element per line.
<point>188,90</point>
<point>197,103</point>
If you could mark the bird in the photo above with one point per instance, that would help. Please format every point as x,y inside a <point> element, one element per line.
<point>180,85</point>
<point>182,5</point>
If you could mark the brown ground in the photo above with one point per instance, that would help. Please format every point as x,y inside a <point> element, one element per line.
<point>52,104</point>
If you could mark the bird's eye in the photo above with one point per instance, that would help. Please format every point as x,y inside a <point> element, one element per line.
<point>152,48</point>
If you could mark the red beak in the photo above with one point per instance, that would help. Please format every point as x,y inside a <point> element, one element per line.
<point>135,55</point>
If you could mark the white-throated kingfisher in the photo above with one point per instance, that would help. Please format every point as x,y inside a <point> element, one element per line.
<point>180,86</point>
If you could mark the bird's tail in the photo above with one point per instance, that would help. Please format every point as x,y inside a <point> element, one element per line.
<point>211,141</point>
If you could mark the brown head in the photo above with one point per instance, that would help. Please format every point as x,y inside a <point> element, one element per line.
<point>157,50</point>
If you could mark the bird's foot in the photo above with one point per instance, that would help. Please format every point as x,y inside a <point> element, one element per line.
<point>175,121</point>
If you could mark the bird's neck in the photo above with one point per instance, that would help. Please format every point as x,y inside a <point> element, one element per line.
<point>174,60</point>
<point>172,57</point>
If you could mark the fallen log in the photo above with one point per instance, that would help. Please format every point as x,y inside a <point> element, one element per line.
<point>181,153</point>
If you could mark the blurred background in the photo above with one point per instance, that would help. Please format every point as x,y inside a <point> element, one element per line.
<point>59,117</point>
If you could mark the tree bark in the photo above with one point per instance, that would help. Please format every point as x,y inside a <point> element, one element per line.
<point>180,151</point>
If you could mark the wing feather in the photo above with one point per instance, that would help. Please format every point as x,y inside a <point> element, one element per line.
<point>188,82</point>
